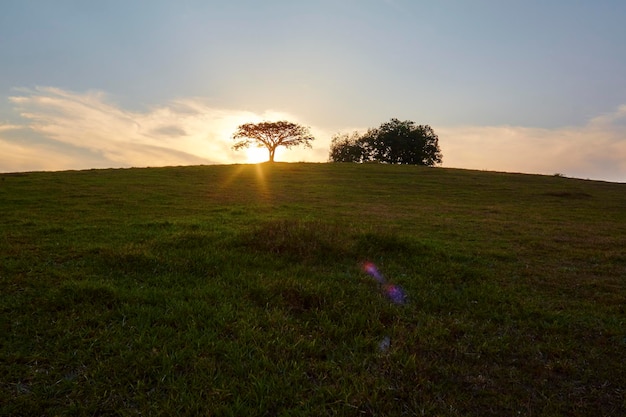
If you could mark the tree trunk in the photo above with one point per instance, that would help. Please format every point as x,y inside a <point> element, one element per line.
<point>272,151</point>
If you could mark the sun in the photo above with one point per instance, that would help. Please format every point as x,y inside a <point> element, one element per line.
<point>255,155</point>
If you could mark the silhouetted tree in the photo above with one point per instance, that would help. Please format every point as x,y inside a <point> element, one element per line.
<point>271,135</point>
<point>394,142</point>
<point>347,147</point>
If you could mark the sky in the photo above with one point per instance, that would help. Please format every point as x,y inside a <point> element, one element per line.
<point>534,86</point>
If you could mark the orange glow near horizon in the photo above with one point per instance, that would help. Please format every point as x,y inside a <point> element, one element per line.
<point>255,155</point>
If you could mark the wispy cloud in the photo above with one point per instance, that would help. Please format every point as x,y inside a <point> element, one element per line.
<point>8,127</point>
<point>183,132</point>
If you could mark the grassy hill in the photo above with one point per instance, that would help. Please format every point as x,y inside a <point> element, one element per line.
<point>239,290</point>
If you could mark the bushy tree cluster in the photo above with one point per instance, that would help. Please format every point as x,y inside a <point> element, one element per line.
<point>394,142</point>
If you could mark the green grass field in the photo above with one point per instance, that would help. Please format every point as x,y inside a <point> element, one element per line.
<point>239,291</point>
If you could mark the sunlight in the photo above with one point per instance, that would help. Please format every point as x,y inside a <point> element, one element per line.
<point>252,174</point>
<point>255,155</point>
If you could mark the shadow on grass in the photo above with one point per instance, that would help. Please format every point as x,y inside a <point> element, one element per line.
<point>317,242</point>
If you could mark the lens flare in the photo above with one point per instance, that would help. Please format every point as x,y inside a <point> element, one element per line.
<point>371,269</point>
<point>394,292</point>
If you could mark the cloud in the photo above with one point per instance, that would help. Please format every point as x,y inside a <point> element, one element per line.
<point>169,131</point>
<point>8,127</point>
<point>183,132</point>
<point>596,150</point>
<point>610,120</point>
<point>17,157</point>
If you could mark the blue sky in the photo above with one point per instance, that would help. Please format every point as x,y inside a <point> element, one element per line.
<point>521,86</point>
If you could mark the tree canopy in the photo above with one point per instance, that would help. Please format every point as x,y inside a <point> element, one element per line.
<point>394,142</point>
<point>271,135</point>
